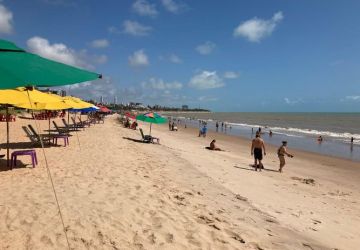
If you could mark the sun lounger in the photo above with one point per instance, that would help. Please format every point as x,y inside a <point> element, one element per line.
<point>36,134</point>
<point>61,130</point>
<point>33,138</point>
<point>149,138</point>
<point>70,127</point>
<point>76,124</point>
<point>85,123</point>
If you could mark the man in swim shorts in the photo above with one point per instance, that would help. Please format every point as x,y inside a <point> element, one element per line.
<point>257,147</point>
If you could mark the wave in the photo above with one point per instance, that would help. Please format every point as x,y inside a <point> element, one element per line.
<point>298,132</point>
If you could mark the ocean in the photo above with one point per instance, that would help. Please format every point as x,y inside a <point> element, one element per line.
<point>301,130</point>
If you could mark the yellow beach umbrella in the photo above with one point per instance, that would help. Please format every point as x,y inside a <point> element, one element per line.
<point>29,98</point>
<point>77,103</point>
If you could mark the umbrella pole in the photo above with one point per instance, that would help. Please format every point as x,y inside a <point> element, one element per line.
<point>68,116</point>
<point>7,136</point>
<point>49,127</point>
<point>150,127</point>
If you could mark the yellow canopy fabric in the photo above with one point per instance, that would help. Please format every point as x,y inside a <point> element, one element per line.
<point>77,103</point>
<point>31,99</point>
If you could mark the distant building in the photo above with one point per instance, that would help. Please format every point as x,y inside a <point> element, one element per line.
<point>101,99</point>
<point>185,107</point>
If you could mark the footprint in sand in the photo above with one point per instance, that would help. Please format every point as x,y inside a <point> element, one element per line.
<point>239,197</point>
<point>46,240</point>
<point>152,238</point>
<point>169,238</point>
<point>235,236</point>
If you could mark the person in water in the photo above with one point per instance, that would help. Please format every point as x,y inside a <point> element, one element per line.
<point>213,146</point>
<point>281,154</point>
<point>257,147</point>
<point>320,139</point>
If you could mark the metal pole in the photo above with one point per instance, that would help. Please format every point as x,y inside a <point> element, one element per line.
<point>7,136</point>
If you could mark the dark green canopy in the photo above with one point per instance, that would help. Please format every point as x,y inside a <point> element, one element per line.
<point>19,68</point>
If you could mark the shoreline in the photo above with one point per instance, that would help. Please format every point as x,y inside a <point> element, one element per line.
<point>307,143</point>
<point>243,140</point>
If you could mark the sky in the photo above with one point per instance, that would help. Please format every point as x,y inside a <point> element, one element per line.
<point>229,55</point>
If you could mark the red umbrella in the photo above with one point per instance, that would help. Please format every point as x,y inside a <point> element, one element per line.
<point>104,109</point>
<point>128,115</point>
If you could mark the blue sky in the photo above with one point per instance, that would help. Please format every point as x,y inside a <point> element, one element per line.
<point>231,55</point>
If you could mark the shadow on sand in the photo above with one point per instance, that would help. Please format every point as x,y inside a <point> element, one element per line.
<point>19,164</point>
<point>134,140</point>
<point>25,145</point>
<point>252,168</point>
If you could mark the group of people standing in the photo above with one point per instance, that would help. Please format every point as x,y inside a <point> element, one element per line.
<point>258,150</point>
<point>223,125</point>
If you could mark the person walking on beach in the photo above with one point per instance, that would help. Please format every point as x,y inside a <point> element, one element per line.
<point>217,126</point>
<point>281,154</point>
<point>257,147</point>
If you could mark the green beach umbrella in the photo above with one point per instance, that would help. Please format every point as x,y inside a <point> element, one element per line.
<point>151,117</point>
<point>19,68</point>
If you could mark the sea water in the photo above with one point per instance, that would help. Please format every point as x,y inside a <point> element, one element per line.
<point>301,130</point>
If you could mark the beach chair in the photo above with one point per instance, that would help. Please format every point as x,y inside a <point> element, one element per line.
<point>149,138</point>
<point>43,136</point>
<point>35,140</point>
<point>85,123</point>
<point>61,130</point>
<point>77,124</point>
<point>70,127</point>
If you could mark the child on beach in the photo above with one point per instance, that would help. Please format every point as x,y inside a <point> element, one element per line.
<point>281,154</point>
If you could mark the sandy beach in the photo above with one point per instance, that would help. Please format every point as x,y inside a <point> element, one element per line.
<point>118,193</point>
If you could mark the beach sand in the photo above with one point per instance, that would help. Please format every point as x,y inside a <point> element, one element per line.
<point>118,193</point>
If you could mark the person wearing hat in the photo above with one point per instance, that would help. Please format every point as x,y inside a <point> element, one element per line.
<point>281,153</point>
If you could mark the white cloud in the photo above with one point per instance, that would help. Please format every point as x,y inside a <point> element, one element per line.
<point>100,43</point>
<point>144,8</point>
<point>114,30</point>
<point>206,48</point>
<point>353,98</point>
<point>61,53</point>
<point>207,99</point>
<point>134,28</point>
<point>206,80</point>
<point>159,84</point>
<point>231,75</point>
<point>6,20</point>
<point>173,6</point>
<point>138,59</point>
<point>175,59</point>
<point>292,102</point>
<point>256,29</point>
<point>104,87</point>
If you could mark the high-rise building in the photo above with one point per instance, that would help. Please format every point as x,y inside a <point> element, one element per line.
<point>185,107</point>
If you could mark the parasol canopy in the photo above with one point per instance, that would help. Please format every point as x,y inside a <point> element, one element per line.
<point>19,68</point>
